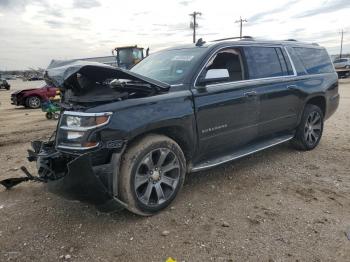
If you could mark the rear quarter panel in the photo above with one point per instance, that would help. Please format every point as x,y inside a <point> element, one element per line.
<point>325,85</point>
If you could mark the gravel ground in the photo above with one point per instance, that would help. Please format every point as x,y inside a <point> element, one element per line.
<point>276,205</point>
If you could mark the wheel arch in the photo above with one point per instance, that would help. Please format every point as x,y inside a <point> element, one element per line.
<point>177,133</point>
<point>319,101</point>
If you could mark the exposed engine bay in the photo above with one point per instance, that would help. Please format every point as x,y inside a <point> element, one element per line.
<point>83,83</point>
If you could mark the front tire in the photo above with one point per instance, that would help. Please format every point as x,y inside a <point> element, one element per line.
<point>310,129</point>
<point>152,173</point>
<point>33,102</point>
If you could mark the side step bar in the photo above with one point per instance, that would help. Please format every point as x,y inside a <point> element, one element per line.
<point>248,150</point>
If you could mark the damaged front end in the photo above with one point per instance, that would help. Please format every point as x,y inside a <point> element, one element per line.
<point>78,177</point>
<point>81,162</point>
<point>74,177</point>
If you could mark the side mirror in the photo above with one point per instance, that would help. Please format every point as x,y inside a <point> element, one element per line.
<point>215,75</point>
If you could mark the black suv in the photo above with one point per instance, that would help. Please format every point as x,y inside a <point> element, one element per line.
<point>127,138</point>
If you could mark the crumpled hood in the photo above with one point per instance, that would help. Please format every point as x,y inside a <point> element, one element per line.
<point>63,74</point>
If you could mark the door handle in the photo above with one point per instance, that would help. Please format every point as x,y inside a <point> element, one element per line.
<point>250,94</point>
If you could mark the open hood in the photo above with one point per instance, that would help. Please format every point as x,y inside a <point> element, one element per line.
<point>63,74</point>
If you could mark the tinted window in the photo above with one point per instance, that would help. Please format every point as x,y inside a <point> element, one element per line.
<point>264,62</point>
<point>315,60</point>
<point>299,67</point>
<point>229,59</point>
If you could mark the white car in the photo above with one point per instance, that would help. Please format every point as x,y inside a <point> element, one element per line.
<point>342,63</point>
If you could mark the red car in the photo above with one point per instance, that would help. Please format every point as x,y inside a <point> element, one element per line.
<point>33,98</point>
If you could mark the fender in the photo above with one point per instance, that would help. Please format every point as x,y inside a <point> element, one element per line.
<point>168,113</point>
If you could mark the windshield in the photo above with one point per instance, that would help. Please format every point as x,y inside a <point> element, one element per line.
<point>170,66</point>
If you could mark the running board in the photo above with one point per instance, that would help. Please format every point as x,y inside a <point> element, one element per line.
<point>242,152</point>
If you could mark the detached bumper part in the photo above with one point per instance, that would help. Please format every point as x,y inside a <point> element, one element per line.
<point>81,183</point>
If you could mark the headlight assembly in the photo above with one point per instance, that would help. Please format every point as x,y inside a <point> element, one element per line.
<point>74,129</point>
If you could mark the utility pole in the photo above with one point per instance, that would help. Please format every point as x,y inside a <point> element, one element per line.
<point>341,43</point>
<point>194,25</point>
<point>240,21</point>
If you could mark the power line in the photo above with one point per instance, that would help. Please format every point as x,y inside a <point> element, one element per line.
<point>241,21</point>
<point>194,24</point>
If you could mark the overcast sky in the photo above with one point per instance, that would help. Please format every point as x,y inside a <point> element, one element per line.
<point>32,32</point>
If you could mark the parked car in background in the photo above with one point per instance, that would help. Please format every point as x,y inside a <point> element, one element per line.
<point>342,66</point>
<point>342,63</point>
<point>33,98</point>
<point>4,84</point>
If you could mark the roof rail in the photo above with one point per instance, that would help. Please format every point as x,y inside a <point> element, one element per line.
<point>290,39</point>
<point>236,37</point>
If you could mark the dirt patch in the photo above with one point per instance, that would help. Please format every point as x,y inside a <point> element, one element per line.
<point>277,205</point>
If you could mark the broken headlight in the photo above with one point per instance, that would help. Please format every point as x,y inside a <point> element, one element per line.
<point>75,129</point>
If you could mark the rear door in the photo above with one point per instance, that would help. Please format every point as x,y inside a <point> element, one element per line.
<point>271,69</point>
<point>226,111</point>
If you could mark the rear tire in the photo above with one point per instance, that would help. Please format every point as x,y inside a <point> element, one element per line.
<point>309,132</point>
<point>151,174</point>
<point>48,115</point>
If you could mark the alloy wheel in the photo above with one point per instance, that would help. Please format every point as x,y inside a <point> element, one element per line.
<point>313,128</point>
<point>34,102</point>
<point>157,177</point>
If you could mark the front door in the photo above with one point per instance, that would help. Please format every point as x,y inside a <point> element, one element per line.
<point>226,111</point>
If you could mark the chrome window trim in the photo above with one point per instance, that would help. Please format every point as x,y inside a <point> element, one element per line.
<point>248,80</point>
<point>291,61</point>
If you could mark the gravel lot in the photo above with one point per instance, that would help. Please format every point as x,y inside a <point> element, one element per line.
<point>276,205</point>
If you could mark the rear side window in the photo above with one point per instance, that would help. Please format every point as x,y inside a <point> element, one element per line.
<point>266,62</point>
<point>315,60</point>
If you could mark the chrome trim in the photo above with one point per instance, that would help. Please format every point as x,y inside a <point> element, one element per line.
<point>260,80</point>
<point>291,61</point>
<point>78,148</point>
<point>76,113</point>
<point>195,169</point>
<point>81,129</point>
<point>243,81</point>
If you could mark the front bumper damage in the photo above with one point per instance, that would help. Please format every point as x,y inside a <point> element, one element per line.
<point>73,177</point>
